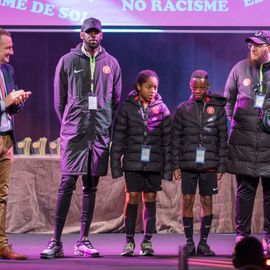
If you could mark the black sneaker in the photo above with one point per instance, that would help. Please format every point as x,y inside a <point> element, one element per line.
<point>146,248</point>
<point>85,248</point>
<point>204,250</point>
<point>53,250</point>
<point>128,250</point>
<point>189,249</point>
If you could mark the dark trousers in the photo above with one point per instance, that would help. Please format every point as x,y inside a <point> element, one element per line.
<point>246,191</point>
<point>67,186</point>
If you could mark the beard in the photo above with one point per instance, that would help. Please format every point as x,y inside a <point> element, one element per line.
<point>254,62</point>
<point>91,45</point>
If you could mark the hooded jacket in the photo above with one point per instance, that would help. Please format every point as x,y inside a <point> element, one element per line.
<point>204,125</point>
<point>249,145</point>
<point>83,129</point>
<point>130,133</point>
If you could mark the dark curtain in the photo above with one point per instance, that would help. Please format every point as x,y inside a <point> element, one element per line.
<point>172,55</point>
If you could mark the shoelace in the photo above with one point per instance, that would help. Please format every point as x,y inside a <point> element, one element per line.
<point>147,245</point>
<point>130,245</point>
<point>52,244</point>
<point>87,244</point>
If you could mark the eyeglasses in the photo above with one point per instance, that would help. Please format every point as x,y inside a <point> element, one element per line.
<point>256,46</point>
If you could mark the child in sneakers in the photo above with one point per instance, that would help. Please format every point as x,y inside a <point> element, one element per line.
<point>199,143</point>
<point>141,150</point>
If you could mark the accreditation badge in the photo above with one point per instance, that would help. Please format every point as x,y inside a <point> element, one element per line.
<point>200,155</point>
<point>259,100</point>
<point>92,102</point>
<point>145,153</point>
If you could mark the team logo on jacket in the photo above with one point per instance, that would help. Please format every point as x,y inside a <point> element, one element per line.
<point>155,110</point>
<point>210,110</point>
<point>246,82</point>
<point>106,69</point>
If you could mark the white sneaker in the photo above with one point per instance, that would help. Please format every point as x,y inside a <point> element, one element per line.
<point>86,249</point>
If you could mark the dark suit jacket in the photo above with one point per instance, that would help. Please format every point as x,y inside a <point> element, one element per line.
<point>10,82</point>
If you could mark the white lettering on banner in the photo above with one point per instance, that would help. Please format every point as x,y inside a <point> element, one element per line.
<point>46,9</point>
<point>180,5</point>
<point>197,5</point>
<point>78,15</point>
<point>251,2</point>
<point>73,15</point>
<point>21,4</point>
<point>138,5</point>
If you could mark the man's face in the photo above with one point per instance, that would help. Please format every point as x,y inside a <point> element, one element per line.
<point>91,38</point>
<point>259,52</point>
<point>199,87</point>
<point>6,49</point>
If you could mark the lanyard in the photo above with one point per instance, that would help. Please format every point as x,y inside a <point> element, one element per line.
<point>92,72</point>
<point>145,114</point>
<point>261,80</point>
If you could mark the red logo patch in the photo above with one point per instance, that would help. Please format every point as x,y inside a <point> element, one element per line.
<point>211,110</point>
<point>106,69</point>
<point>155,110</point>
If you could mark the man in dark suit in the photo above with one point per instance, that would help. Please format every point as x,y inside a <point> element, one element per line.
<point>11,101</point>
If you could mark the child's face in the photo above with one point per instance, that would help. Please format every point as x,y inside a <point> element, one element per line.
<point>148,90</point>
<point>199,87</point>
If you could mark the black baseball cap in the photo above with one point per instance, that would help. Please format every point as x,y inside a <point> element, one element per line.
<point>260,37</point>
<point>91,23</point>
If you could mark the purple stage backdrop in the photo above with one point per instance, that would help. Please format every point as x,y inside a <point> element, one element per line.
<point>143,13</point>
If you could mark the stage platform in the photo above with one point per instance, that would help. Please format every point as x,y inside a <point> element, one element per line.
<point>110,246</point>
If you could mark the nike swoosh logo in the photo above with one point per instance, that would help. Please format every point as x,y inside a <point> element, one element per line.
<point>77,71</point>
<point>215,189</point>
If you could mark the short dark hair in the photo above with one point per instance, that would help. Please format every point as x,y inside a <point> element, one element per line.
<point>199,73</point>
<point>143,76</point>
<point>248,251</point>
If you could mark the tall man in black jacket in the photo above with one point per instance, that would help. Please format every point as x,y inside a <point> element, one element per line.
<point>87,90</point>
<point>199,143</point>
<point>248,92</point>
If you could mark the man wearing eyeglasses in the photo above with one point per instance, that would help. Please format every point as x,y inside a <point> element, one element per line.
<point>248,95</point>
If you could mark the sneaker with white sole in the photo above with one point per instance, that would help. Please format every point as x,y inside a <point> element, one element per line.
<point>85,248</point>
<point>53,250</point>
<point>147,249</point>
<point>128,250</point>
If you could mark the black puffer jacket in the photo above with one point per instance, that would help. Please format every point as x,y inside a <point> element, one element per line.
<point>249,146</point>
<point>194,124</point>
<point>128,138</point>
